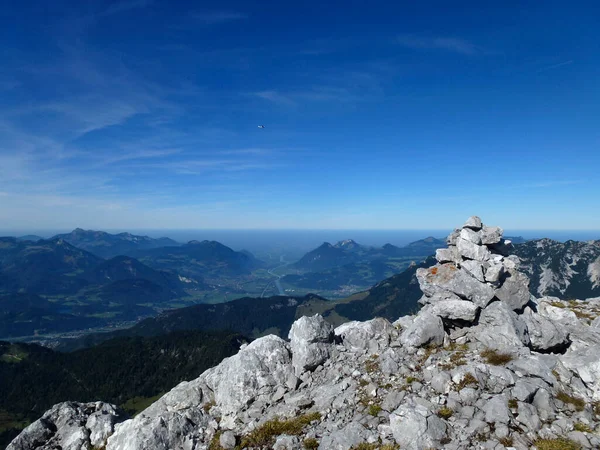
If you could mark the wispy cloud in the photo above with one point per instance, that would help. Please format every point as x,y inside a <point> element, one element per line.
<point>217,17</point>
<point>316,93</point>
<point>556,66</point>
<point>247,151</point>
<point>274,96</point>
<point>137,155</point>
<point>451,44</point>
<point>554,183</point>
<point>202,166</point>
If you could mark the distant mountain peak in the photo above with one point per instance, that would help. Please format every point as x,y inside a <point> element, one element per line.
<point>347,243</point>
<point>108,245</point>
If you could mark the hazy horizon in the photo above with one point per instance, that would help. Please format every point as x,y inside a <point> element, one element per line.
<point>307,239</point>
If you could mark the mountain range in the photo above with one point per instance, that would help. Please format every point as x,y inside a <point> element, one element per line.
<point>70,288</point>
<point>329,256</point>
<point>562,269</point>
<point>200,259</point>
<point>79,288</point>
<point>108,245</point>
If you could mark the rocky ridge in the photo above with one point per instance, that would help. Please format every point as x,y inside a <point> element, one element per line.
<point>483,365</point>
<point>564,269</point>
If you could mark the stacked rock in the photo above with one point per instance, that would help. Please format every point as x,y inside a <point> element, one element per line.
<point>476,283</point>
<point>474,268</point>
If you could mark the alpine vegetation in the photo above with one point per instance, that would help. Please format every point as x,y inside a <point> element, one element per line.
<point>483,364</point>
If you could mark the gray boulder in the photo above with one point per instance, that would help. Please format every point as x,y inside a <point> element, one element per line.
<point>344,439</point>
<point>177,419</point>
<point>585,362</point>
<point>310,339</point>
<point>496,410</point>
<point>543,333</point>
<point>426,329</point>
<point>286,442</point>
<point>455,310</point>
<point>450,254</point>
<point>227,440</point>
<point>70,426</point>
<point>452,237</point>
<point>470,235</point>
<point>500,328</point>
<point>470,250</point>
<point>475,268</point>
<point>414,428</point>
<point>491,235</point>
<point>261,367</point>
<point>494,273</point>
<point>446,278</point>
<point>372,335</point>
<point>474,223</point>
<point>514,290</point>
<point>310,330</point>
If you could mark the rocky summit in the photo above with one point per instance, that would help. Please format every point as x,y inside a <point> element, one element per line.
<point>483,365</point>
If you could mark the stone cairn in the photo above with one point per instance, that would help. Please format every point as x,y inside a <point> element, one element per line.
<point>476,289</point>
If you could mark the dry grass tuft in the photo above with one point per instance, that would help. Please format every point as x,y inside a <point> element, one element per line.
<point>374,410</point>
<point>310,444</point>
<point>579,403</point>
<point>584,428</point>
<point>495,357</point>
<point>265,435</point>
<point>557,444</point>
<point>467,380</point>
<point>445,413</point>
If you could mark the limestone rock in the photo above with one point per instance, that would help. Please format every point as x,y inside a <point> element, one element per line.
<point>494,273</point>
<point>426,329</point>
<point>470,235</point>
<point>411,429</point>
<point>491,235</point>
<point>345,438</point>
<point>475,268</point>
<point>311,330</point>
<point>474,223</point>
<point>70,426</point>
<point>586,364</point>
<point>263,364</point>
<point>514,291</point>
<point>500,328</point>
<point>452,237</point>
<point>446,278</point>
<point>455,310</point>
<point>444,255</point>
<point>470,250</point>
<point>309,341</point>
<point>227,440</point>
<point>371,335</point>
<point>496,410</point>
<point>543,333</point>
<point>286,442</point>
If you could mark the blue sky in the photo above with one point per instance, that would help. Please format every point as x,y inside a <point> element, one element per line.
<point>144,114</point>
